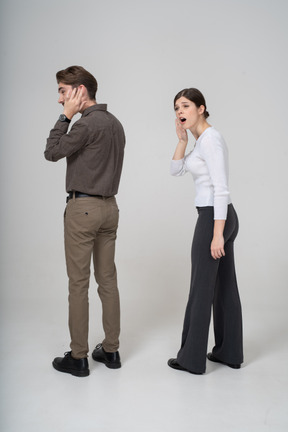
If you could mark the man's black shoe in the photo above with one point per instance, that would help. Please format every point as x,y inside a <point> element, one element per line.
<point>76,367</point>
<point>111,360</point>
<point>175,365</point>
<point>214,359</point>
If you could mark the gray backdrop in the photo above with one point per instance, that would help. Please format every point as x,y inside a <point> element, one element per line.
<point>142,54</point>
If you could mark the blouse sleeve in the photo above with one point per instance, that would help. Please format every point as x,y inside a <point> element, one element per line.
<point>215,154</point>
<point>177,167</point>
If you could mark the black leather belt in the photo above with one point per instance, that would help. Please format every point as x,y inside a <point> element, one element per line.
<point>83,195</point>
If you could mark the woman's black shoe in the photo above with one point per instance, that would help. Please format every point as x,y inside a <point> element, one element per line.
<point>175,365</point>
<point>214,359</point>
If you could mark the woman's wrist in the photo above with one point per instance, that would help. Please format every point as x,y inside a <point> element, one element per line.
<point>219,225</point>
<point>183,142</point>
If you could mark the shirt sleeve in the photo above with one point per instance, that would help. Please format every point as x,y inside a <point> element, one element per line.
<point>177,167</point>
<point>215,155</point>
<point>61,144</point>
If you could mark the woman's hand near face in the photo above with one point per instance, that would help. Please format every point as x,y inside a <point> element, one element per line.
<point>181,132</point>
<point>183,141</point>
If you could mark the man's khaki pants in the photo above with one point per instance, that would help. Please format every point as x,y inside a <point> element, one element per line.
<point>90,226</point>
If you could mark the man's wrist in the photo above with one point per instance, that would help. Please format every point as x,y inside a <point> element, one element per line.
<point>69,114</point>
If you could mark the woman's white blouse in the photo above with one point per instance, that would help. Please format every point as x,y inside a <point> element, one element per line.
<point>208,164</point>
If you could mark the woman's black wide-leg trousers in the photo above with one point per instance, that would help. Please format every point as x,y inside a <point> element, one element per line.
<point>213,283</point>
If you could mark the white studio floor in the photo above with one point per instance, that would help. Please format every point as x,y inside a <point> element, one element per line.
<point>145,395</point>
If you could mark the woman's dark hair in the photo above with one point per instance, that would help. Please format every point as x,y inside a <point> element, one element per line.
<point>77,75</point>
<point>194,95</point>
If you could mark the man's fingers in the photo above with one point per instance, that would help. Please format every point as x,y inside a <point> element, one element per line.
<point>79,93</point>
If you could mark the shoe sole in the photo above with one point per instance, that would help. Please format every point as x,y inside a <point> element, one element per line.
<point>80,374</point>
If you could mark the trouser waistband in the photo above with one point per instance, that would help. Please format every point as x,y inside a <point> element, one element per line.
<point>77,194</point>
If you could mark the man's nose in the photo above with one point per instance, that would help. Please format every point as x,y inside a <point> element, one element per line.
<point>60,100</point>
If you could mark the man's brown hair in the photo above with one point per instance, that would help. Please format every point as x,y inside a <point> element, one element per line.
<point>77,75</point>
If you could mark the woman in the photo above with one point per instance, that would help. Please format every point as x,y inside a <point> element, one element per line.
<point>213,280</point>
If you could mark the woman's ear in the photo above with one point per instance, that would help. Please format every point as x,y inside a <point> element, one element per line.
<point>201,109</point>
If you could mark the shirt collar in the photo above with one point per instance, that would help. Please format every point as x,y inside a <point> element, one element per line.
<point>96,107</point>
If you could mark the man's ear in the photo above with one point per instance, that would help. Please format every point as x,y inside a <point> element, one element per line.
<point>84,90</point>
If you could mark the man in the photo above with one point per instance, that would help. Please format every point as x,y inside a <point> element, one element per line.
<point>94,148</point>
